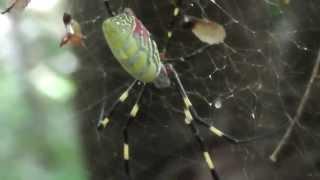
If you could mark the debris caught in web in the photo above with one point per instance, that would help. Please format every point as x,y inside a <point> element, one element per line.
<point>73,34</point>
<point>205,30</point>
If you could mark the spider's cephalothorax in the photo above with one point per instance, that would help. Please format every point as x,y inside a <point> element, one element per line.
<point>132,46</point>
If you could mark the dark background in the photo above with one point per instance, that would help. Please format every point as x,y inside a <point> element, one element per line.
<point>259,76</point>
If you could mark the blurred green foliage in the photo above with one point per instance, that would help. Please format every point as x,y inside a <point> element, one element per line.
<point>38,131</point>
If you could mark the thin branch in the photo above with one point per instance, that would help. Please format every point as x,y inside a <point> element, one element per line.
<point>9,8</point>
<point>286,136</point>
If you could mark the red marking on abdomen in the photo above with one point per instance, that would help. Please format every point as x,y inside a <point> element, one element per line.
<point>141,30</point>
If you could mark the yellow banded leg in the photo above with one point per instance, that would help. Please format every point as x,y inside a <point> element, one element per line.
<point>176,12</point>
<point>209,161</point>
<point>190,120</point>
<point>126,146</point>
<point>210,164</point>
<point>213,129</point>
<point>190,110</point>
<point>105,117</point>
<point>126,156</point>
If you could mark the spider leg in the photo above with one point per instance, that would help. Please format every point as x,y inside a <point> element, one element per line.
<point>189,55</point>
<point>133,113</point>
<point>107,5</point>
<point>203,146</point>
<point>195,115</point>
<point>105,117</point>
<point>189,121</point>
<point>177,12</point>
<point>212,128</point>
<point>172,24</point>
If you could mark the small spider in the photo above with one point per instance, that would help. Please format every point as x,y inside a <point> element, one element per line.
<point>132,45</point>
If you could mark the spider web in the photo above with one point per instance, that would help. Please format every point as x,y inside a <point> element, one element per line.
<point>249,86</point>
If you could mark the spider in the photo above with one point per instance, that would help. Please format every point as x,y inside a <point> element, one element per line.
<point>131,44</point>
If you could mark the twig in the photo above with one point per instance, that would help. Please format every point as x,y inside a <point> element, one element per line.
<point>285,138</point>
<point>9,8</point>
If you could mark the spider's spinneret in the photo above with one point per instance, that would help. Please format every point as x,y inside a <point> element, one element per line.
<point>132,46</point>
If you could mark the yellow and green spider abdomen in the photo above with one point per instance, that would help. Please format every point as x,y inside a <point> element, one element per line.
<point>132,46</point>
